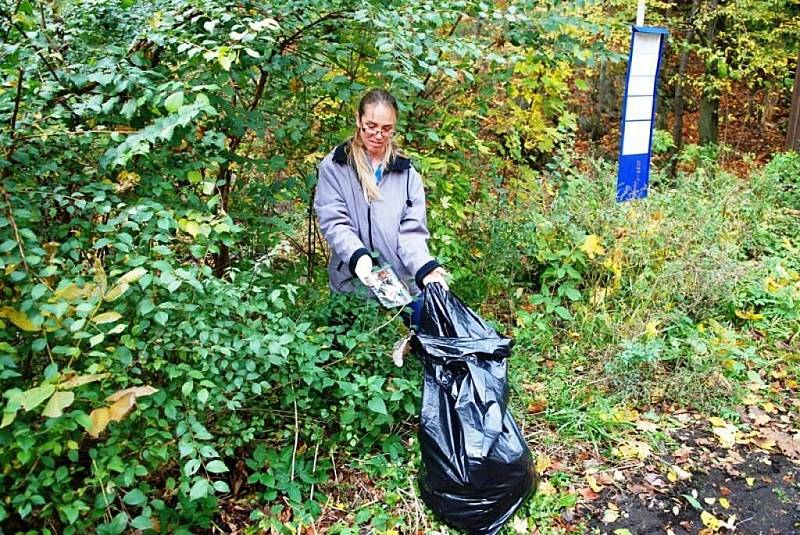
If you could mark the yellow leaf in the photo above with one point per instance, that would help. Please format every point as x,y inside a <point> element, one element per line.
<point>100,418</point>
<point>750,481</point>
<point>748,315</point>
<point>633,450</point>
<point>622,531</point>
<point>192,228</point>
<point>624,415</point>
<point>19,319</point>
<point>79,380</point>
<point>592,246</point>
<point>546,489</point>
<point>724,503</point>
<point>769,407</point>
<point>116,292</point>
<point>652,328</point>
<point>121,407</point>
<point>710,521</point>
<point>717,421</point>
<point>726,435</point>
<point>132,276</point>
<point>543,462</point>
<point>100,275</point>
<point>106,317</point>
<point>71,292</point>
<point>136,392</point>
<point>750,399</point>
<point>60,401</point>
<point>593,484</point>
<point>676,473</point>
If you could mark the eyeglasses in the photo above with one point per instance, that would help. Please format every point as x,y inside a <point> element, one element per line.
<point>374,131</point>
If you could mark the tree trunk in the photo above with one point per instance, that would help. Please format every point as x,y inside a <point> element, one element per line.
<point>709,103</point>
<point>793,134</point>
<point>677,128</point>
<point>603,91</point>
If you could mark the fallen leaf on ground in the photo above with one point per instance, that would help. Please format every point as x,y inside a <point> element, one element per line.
<point>758,416</point>
<point>546,489</point>
<point>610,516</point>
<point>593,483</point>
<point>676,473</point>
<point>726,433</point>
<point>543,462</point>
<point>520,525</point>
<point>710,521</point>
<point>633,450</point>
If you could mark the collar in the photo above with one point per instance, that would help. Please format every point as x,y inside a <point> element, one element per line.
<point>342,156</point>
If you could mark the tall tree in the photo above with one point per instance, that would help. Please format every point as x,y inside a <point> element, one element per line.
<point>793,134</point>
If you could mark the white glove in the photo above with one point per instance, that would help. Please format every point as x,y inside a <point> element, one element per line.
<point>363,269</point>
<point>437,275</point>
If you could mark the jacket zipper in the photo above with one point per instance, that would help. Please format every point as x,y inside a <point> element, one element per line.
<point>369,226</point>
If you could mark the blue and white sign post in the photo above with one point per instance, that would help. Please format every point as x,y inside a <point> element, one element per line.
<point>639,109</point>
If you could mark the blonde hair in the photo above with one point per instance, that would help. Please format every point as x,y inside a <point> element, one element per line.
<point>358,153</point>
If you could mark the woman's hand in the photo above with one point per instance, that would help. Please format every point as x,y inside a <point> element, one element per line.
<point>363,269</point>
<point>437,275</point>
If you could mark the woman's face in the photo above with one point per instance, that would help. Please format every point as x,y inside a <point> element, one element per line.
<point>376,127</point>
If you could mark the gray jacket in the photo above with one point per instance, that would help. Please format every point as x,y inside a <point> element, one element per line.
<point>394,226</point>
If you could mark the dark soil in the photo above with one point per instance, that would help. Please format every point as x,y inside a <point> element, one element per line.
<point>763,491</point>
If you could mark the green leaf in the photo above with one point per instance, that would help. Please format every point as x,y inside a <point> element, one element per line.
<point>142,523</point>
<point>96,339</point>
<point>115,527</point>
<point>572,294</point>
<point>376,404</point>
<point>216,467</point>
<point>135,497</point>
<point>174,102</point>
<point>221,486</point>
<point>38,291</point>
<point>563,313</point>
<point>58,402</point>
<point>8,418</point>
<point>191,467</point>
<point>32,398</point>
<point>161,317</point>
<point>202,395</point>
<point>199,489</point>
<point>693,502</point>
<point>187,387</point>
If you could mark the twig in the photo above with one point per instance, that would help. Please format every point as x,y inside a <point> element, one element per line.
<point>379,327</point>
<point>296,435</point>
<point>314,471</point>
<point>13,222</point>
<point>335,475</point>
<point>102,488</point>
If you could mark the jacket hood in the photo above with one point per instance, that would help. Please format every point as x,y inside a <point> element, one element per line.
<point>342,156</point>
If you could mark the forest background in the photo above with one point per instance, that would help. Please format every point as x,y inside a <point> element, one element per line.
<point>168,356</point>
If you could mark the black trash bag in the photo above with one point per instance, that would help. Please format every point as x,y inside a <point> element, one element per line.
<point>476,467</point>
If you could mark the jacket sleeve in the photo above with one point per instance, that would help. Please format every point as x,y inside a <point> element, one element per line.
<point>334,220</point>
<point>413,238</point>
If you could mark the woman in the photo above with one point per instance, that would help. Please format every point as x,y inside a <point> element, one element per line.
<point>370,201</point>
